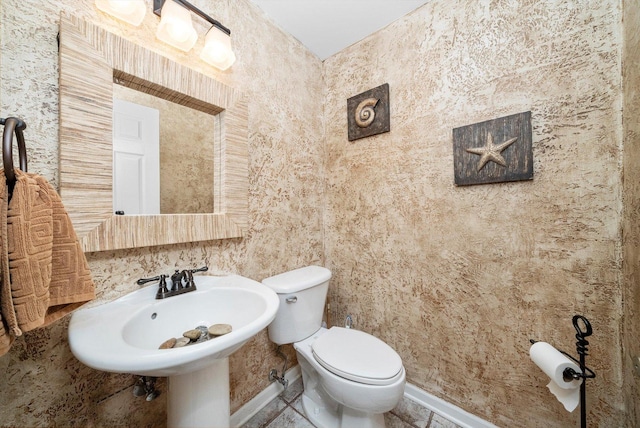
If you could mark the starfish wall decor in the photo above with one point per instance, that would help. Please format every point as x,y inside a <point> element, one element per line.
<point>490,152</point>
<point>510,160</point>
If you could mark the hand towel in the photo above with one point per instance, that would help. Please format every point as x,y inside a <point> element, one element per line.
<point>5,284</point>
<point>48,272</point>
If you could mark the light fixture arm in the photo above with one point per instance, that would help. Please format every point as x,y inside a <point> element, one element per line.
<point>157,7</point>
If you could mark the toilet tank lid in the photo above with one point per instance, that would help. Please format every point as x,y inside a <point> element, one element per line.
<point>298,279</point>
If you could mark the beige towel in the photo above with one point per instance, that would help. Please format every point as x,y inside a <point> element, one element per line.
<point>5,284</point>
<point>48,273</point>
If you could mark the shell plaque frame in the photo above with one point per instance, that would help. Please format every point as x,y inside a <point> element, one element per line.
<point>368,113</point>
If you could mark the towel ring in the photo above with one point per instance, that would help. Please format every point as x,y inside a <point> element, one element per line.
<point>13,125</point>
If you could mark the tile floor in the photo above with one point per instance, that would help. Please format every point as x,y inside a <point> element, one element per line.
<point>285,411</point>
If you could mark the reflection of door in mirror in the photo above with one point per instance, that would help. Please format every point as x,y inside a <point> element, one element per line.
<point>136,161</point>
<point>186,155</point>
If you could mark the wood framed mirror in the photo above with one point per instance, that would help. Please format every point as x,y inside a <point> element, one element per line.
<point>91,58</point>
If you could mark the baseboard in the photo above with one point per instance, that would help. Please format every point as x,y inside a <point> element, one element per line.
<point>253,406</point>
<point>446,410</point>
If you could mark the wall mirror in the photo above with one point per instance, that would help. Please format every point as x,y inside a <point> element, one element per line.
<point>153,135</point>
<point>91,59</point>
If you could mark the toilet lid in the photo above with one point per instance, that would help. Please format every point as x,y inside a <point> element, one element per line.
<point>357,356</point>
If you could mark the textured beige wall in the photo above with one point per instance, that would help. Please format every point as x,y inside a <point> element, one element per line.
<point>41,383</point>
<point>631,198</point>
<point>458,279</point>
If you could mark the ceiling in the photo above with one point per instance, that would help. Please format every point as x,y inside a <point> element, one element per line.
<point>326,27</point>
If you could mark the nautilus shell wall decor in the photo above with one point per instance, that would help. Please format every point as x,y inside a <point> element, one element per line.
<point>368,113</point>
<point>365,113</point>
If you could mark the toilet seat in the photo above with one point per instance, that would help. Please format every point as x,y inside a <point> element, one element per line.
<point>357,356</point>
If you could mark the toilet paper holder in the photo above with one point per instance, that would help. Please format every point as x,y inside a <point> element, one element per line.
<point>582,331</point>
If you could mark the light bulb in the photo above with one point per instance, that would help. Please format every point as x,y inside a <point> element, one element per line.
<point>217,49</point>
<point>176,28</point>
<point>178,31</point>
<point>122,6</point>
<point>131,11</point>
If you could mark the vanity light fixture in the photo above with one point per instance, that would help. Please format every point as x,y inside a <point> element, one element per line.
<point>176,27</point>
<point>130,11</point>
<point>217,47</point>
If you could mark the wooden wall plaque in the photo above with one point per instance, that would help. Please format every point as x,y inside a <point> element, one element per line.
<point>368,113</point>
<point>494,151</point>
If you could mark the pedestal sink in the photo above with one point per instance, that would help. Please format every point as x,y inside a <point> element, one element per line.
<point>123,336</point>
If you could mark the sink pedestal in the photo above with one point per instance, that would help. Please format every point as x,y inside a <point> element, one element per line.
<point>200,399</point>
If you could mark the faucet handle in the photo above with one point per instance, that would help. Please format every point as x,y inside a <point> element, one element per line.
<point>162,287</point>
<point>143,281</point>
<point>188,276</point>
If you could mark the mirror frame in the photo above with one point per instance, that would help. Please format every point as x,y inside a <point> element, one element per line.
<point>90,59</point>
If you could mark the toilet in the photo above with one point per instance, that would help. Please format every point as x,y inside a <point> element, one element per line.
<point>350,377</point>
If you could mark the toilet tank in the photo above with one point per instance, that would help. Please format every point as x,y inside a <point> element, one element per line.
<point>302,293</point>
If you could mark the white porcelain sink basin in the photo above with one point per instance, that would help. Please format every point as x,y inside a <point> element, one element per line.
<point>123,336</point>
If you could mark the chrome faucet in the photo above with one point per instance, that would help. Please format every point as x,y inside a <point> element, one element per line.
<point>177,285</point>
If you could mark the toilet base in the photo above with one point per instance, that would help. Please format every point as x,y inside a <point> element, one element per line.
<point>330,401</point>
<point>325,415</point>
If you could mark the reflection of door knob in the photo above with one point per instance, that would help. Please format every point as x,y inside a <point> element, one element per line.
<point>291,299</point>
<point>119,212</point>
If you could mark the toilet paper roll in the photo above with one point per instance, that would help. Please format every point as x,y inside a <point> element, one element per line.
<point>553,363</point>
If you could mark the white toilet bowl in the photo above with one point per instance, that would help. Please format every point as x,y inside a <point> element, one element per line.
<point>350,378</point>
